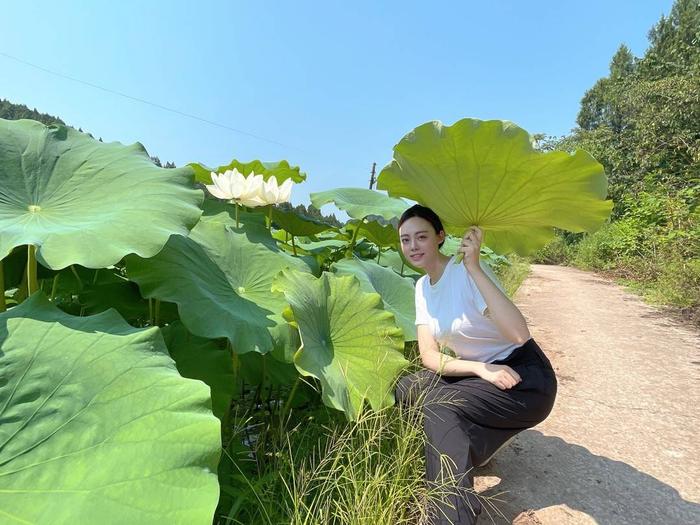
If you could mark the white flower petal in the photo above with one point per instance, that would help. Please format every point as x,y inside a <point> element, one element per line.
<point>222,183</point>
<point>253,201</point>
<point>285,191</point>
<point>271,190</point>
<point>216,192</point>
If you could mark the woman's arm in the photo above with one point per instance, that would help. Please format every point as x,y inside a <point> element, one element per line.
<point>505,315</point>
<point>500,375</point>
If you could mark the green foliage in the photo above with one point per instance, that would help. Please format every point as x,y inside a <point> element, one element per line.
<point>311,212</point>
<point>512,274</point>
<point>203,359</point>
<point>557,251</point>
<point>643,123</point>
<point>280,170</point>
<point>97,425</point>
<point>396,291</point>
<point>80,201</point>
<point>217,280</point>
<point>236,267</point>
<point>296,224</point>
<point>487,174</point>
<point>674,48</point>
<point>349,342</point>
<point>653,246</point>
<point>360,203</point>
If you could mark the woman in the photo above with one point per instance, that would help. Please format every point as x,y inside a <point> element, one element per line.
<point>499,383</point>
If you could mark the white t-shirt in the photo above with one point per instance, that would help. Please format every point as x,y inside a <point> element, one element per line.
<point>453,308</point>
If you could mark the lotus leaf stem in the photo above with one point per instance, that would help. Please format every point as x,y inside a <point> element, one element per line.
<point>352,241</point>
<point>290,398</point>
<point>3,306</point>
<point>54,286</point>
<point>32,284</point>
<point>157,313</point>
<point>77,277</point>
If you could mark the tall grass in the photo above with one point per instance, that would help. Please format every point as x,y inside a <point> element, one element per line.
<point>367,472</point>
<point>325,470</point>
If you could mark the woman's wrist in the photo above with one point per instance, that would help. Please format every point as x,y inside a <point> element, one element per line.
<point>456,366</point>
<point>474,269</point>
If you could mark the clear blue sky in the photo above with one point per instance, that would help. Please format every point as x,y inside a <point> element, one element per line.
<point>335,83</point>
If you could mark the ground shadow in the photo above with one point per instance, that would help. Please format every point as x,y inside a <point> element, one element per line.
<point>539,471</point>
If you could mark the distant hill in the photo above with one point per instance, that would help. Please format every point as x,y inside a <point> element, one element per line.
<point>11,111</point>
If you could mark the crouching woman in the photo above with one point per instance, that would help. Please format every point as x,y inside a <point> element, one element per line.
<point>500,381</point>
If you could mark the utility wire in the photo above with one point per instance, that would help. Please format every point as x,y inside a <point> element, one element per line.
<point>144,101</point>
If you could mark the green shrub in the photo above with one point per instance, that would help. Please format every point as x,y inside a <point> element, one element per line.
<point>603,249</point>
<point>557,251</point>
<point>513,274</point>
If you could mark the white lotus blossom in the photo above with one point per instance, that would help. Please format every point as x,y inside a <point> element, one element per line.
<point>251,191</point>
<point>274,194</point>
<point>235,187</point>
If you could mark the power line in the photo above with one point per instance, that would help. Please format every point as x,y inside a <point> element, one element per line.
<point>148,102</point>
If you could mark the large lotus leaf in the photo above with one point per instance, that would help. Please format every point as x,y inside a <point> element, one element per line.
<point>349,342</point>
<point>394,260</point>
<point>397,292</point>
<point>212,207</point>
<point>97,426</point>
<point>381,235</point>
<point>281,170</point>
<point>220,281</point>
<point>486,173</point>
<point>360,202</point>
<point>81,201</point>
<point>325,246</point>
<point>297,224</point>
<point>203,359</point>
<point>124,297</point>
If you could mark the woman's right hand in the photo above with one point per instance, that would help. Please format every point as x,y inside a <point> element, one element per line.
<point>502,376</point>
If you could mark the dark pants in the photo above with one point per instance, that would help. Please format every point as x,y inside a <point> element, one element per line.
<point>466,419</point>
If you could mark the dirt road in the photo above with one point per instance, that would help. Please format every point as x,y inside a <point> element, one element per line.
<point>621,445</point>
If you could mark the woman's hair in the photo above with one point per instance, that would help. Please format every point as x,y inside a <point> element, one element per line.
<point>424,213</point>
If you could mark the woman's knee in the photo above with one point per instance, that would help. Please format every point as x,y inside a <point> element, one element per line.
<point>412,387</point>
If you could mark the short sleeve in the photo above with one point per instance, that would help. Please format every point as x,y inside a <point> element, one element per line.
<point>422,316</point>
<point>479,301</point>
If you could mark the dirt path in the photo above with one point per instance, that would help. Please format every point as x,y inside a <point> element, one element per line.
<point>621,445</point>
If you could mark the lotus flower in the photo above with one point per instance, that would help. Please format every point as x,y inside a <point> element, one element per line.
<point>234,187</point>
<point>274,194</point>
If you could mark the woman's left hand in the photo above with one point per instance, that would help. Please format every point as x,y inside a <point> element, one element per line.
<point>470,247</point>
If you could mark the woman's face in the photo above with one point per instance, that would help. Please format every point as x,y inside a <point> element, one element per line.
<point>419,242</point>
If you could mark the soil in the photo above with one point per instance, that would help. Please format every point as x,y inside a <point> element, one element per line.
<point>621,445</point>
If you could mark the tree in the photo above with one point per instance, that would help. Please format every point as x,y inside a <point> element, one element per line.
<point>674,42</point>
